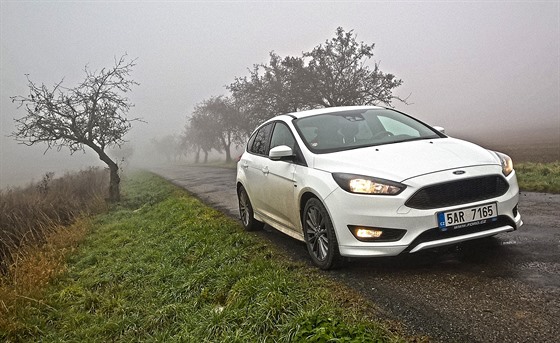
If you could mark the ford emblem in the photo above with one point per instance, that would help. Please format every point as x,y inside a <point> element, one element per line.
<point>459,172</point>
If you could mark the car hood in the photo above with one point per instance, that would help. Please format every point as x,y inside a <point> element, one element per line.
<point>402,161</point>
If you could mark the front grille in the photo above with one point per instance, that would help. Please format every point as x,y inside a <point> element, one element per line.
<point>458,192</point>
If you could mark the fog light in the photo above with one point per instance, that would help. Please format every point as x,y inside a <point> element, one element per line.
<point>368,233</point>
<point>376,234</point>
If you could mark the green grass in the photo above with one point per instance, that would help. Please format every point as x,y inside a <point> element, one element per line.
<point>539,177</point>
<point>161,266</point>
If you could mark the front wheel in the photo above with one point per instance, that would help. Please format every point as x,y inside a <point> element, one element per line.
<point>319,235</point>
<point>246,211</point>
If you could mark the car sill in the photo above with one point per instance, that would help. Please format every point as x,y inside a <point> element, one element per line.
<point>279,227</point>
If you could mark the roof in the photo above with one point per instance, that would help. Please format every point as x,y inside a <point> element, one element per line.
<point>308,113</point>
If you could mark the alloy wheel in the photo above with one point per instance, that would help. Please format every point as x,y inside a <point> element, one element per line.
<point>317,232</point>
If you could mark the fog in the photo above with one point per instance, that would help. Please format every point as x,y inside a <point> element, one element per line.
<point>479,69</point>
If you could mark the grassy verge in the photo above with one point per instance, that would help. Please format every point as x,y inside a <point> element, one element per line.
<point>34,266</point>
<point>164,267</point>
<point>539,177</point>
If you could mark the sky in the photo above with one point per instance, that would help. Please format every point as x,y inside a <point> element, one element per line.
<point>485,67</point>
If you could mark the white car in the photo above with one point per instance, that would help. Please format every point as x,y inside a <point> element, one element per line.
<point>365,181</point>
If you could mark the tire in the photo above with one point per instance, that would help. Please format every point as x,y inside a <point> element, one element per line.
<point>246,213</point>
<point>319,235</point>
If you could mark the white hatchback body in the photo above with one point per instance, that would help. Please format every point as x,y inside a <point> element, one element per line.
<point>406,188</point>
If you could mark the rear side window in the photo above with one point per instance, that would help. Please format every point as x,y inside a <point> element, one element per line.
<point>258,144</point>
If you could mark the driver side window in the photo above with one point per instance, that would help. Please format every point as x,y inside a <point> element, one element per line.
<point>282,136</point>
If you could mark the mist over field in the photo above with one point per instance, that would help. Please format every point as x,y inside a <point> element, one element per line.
<point>488,72</point>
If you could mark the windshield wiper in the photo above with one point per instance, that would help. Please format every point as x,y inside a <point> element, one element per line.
<point>416,139</point>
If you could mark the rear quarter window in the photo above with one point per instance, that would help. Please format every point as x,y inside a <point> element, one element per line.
<point>258,143</point>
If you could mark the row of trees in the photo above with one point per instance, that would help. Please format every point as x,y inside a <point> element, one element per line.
<point>93,114</point>
<point>336,73</point>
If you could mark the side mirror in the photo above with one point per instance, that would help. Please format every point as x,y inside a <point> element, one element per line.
<point>280,152</point>
<point>439,128</point>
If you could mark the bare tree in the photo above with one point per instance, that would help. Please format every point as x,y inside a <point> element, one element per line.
<point>200,134</point>
<point>279,87</point>
<point>92,114</point>
<point>169,146</point>
<point>223,123</point>
<point>339,75</point>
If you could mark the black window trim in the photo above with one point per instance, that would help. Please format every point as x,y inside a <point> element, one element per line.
<point>267,144</point>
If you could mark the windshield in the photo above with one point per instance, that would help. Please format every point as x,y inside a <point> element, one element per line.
<point>353,129</point>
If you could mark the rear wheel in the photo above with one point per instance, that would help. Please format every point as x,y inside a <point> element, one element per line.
<point>246,211</point>
<point>319,235</point>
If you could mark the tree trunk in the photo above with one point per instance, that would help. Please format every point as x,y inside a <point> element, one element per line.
<point>228,153</point>
<point>114,179</point>
<point>205,156</point>
<point>226,144</point>
<point>114,183</point>
<point>197,156</point>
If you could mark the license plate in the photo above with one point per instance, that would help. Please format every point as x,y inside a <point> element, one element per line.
<point>466,217</point>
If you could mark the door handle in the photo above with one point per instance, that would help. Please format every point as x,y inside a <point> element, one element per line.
<point>265,170</point>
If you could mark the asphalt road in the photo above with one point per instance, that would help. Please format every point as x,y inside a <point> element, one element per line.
<point>504,289</point>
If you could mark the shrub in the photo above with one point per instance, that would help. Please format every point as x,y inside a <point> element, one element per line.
<point>28,214</point>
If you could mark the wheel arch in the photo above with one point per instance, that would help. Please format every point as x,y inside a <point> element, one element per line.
<point>304,198</point>
<point>238,186</point>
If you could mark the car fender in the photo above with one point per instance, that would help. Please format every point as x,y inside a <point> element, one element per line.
<point>318,183</point>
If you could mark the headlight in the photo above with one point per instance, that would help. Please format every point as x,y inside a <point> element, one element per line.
<point>367,185</point>
<point>507,163</point>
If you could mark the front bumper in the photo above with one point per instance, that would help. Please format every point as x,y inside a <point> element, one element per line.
<point>421,225</point>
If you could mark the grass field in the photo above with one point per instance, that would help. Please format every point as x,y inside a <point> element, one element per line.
<point>535,153</point>
<point>163,267</point>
